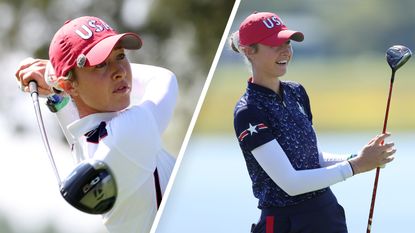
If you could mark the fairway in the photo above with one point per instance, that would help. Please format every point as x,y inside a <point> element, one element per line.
<point>345,94</point>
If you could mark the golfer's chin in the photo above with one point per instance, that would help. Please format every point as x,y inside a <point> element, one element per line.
<point>121,105</point>
<point>282,71</point>
<point>116,105</point>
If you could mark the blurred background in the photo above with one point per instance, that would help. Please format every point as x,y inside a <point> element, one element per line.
<point>342,65</point>
<point>180,35</point>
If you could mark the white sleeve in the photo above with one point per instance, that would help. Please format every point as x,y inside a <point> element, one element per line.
<point>134,133</point>
<point>275,163</point>
<point>156,88</point>
<point>131,148</point>
<point>327,159</point>
<point>67,115</point>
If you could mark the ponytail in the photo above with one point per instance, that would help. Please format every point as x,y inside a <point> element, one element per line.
<point>234,42</point>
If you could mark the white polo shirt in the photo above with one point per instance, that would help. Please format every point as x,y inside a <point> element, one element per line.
<point>131,146</point>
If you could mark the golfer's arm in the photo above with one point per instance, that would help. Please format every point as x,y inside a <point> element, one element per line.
<point>158,90</point>
<point>327,159</point>
<point>67,115</point>
<point>274,161</point>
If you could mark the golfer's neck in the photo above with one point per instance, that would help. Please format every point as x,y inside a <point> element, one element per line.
<point>272,83</point>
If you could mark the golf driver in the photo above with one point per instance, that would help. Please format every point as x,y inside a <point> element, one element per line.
<point>396,56</point>
<point>90,187</point>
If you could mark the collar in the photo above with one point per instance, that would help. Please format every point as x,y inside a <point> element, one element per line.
<point>88,123</point>
<point>264,90</point>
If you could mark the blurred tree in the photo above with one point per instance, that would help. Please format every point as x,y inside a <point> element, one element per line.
<point>206,17</point>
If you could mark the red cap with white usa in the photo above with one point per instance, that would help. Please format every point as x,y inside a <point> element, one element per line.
<point>86,41</point>
<point>266,28</point>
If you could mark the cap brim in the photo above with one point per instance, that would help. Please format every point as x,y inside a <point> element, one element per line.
<point>102,49</point>
<point>282,37</point>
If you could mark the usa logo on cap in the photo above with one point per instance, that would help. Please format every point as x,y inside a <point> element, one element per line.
<point>266,28</point>
<point>86,41</point>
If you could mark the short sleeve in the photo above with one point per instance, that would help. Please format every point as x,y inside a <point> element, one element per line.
<point>251,129</point>
<point>306,102</point>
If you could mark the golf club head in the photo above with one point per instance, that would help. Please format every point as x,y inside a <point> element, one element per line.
<point>90,187</point>
<point>397,56</point>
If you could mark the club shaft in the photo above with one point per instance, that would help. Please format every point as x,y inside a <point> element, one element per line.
<point>375,185</point>
<point>385,121</point>
<point>35,99</point>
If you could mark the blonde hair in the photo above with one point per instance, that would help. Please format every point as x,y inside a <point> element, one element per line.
<point>234,43</point>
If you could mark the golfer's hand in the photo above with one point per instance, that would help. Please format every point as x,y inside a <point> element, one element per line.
<point>374,154</point>
<point>33,69</point>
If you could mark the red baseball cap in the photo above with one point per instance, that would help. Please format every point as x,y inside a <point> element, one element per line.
<point>266,28</point>
<point>86,41</point>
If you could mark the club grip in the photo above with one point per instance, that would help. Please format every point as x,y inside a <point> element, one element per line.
<point>33,87</point>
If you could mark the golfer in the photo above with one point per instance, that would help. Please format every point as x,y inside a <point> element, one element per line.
<point>100,118</point>
<point>273,124</point>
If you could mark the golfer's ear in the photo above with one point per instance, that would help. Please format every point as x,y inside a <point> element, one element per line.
<point>248,51</point>
<point>69,87</point>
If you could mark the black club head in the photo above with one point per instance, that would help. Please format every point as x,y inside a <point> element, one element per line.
<point>90,188</point>
<point>397,56</point>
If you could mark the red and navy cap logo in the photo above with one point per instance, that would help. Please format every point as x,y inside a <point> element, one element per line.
<point>251,130</point>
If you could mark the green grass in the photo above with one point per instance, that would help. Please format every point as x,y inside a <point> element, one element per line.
<point>345,95</point>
